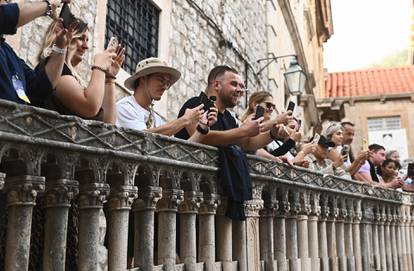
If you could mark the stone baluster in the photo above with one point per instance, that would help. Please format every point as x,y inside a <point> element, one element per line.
<point>394,239</point>
<point>266,231</point>
<point>331,233</point>
<point>206,226</point>
<point>400,241</point>
<point>315,212</point>
<point>375,238</point>
<point>366,248</point>
<point>252,209</point>
<point>188,237</point>
<point>407,231</point>
<point>356,234</point>
<point>240,244</point>
<point>224,236</point>
<point>303,230</point>
<point>167,215</point>
<point>381,237</point>
<point>340,234</point>
<point>387,238</point>
<point>280,229</point>
<point>292,232</point>
<point>60,190</point>
<point>322,234</point>
<point>144,210</point>
<point>348,235</point>
<point>22,191</point>
<point>411,229</point>
<point>121,197</point>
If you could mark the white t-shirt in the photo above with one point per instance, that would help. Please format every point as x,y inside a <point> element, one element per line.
<point>131,115</point>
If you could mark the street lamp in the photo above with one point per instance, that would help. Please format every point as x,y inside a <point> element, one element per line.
<point>294,75</point>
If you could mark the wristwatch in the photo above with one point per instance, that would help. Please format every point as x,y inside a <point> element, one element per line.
<point>49,8</point>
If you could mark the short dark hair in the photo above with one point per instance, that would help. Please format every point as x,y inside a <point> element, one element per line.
<point>375,147</point>
<point>387,161</point>
<point>219,71</point>
<point>347,122</point>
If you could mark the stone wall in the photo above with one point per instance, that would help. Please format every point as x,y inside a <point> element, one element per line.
<point>209,33</point>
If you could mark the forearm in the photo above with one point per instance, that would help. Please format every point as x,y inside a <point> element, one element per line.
<point>54,67</point>
<point>299,157</point>
<point>354,167</point>
<point>263,153</point>
<point>30,11</point>
<point>108,104</point>
<point>95,91</point>
<point>223,138</point>
<point>257,142</point>
<point>170,128</point>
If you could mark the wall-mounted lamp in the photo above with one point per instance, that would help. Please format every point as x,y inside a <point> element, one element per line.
<point>294,75</point>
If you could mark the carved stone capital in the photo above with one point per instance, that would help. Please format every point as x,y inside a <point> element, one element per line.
<point>60,192</point>
<point>253,207</point>
<point>295,205</point>
<point>23,190</point>
<point>343,212</point>
<point>358,211</point>
<point>314,204</point>
<point>122,197</point>
<point>191,203</point>
<point>334,210</point>
<point>284,206</point>
<point>2,176</point>
<point>170,200</point>
<point>148,198</point>
<point>305,204</point>
<point>209,205</point>
<point>93,195</point>
<point>368,214</point>
<point>325,210</point>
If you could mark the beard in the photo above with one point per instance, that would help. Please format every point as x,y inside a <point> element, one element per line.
<point>229,101</point>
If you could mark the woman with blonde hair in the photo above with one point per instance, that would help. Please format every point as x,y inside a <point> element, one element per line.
<point>72,96</point>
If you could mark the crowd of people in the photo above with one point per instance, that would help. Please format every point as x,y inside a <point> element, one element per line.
<point>56,85</point>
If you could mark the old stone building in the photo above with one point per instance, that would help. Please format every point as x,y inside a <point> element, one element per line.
<point>380,103</point>
<point>195,35</point>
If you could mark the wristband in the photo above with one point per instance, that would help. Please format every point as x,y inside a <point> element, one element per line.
<point>49,8</point>
<point>108,76</point>
<point>271,135</point>
<point>109,81</point>
<point>201,130</point>
<point>58,50</point>
<point>93,67</point>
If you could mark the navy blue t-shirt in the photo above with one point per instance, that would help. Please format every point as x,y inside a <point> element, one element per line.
<point>225,120</point>
<point>36,84</point>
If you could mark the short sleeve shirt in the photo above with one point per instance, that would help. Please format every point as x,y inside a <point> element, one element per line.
<point>132,115</point>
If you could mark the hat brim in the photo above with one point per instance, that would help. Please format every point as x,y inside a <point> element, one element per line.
<point>175,75</point>
<point>327,145</point>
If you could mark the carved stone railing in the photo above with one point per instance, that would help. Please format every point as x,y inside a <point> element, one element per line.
<point>59,173</point>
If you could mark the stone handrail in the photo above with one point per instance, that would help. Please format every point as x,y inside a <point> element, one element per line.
<point>63,171</point>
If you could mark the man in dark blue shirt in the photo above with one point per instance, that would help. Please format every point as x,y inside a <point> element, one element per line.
<point>18,82</point>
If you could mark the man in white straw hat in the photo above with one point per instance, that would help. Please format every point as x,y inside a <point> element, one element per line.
<point>152,78</point>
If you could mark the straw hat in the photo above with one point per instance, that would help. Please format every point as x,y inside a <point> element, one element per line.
<point>149,66</point>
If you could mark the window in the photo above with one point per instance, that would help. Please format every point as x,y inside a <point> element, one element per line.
<point>387,123</point>
<point>135,23</point>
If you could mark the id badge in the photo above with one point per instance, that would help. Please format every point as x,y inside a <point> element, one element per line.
<point>18,87</point>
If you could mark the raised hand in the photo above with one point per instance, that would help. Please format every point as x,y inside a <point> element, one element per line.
<point>193,115</point>
<point>64,36</point>
<point>117,61</point>
<point>105,59</point>
<point>252,127</point>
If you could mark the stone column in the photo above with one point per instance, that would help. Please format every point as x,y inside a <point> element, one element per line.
<point>388,239</point>
<point>224,235</point>
<point>91,198</point>
<point>313,231</point>
<point>59,194</point>
<point>408,236</point>
<point>322,234</point>
<point>21,197</point>
<point>340,235</point>
<point>411,229</point>
<point>206,238</point>
<point>252,208</point>
<point>292,233</point>
<point>331,234</point>
<point>356,234</point>
<point>188,236</point>
<point>400,241</point>
<point>280,231</point>
<point>394,240</point>
<point>167,225</point>
<point>375,239</point>
<point>303,239</point>
<point>348,235</point>
<point>381,235</point>
<point>144,208</point>
<point>366,249</point>
<point>120,201</point>
<point>267,236</point>
<point>240,244</point>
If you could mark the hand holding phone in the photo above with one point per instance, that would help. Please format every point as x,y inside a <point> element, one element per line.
<point>365,144</point>
<point>113,43</point>
<point>345,150</point>
<point>316,138</point>
<point>259,112</point>
<point>290,107</point>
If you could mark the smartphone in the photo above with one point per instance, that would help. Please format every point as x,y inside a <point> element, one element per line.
<point>259,112</point>
<point>345,150</point>
<point>299,125</point>
<point>410,170</point>
<point>364,144</point>
<point>67,17</point>
<point>291,106</point>
<point>208,102</point>
<point>113,43</point>
<point>316,138</point>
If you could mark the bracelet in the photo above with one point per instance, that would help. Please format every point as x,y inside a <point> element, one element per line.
<point>108,76</point>
<point>56,49</point>
<point>93,67</point>
<point>201,130</point>
<point>109,81</point>
<point>49,8</point>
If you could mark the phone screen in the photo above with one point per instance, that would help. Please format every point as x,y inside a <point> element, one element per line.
<point>291,106</point>
<point>259,112</point>
<point>113,43</point>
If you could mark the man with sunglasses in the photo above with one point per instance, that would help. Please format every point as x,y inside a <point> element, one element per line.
<point>18,82</point>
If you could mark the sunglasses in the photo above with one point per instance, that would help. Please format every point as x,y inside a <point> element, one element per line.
<point>270,106</point>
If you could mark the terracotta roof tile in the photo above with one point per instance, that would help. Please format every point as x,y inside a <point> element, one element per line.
<point>375,81</point>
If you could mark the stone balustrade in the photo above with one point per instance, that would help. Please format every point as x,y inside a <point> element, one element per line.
<point>59,173</point>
